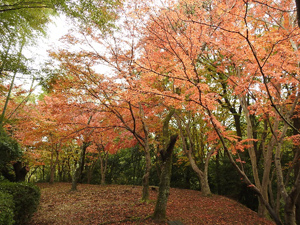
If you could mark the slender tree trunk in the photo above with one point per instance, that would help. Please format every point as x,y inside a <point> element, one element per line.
<point>241,172</point>
<point>52,168</point>
<point>52,174</point>
<point>292,195</point>
<point>145,144</point>
<point>89,174</point>
<point>103,179</point>
<point>202,175</point>
<point>43,172</point>
<point>218,181</point>
<point>164,185</point>
<point>188,149</point>
<point>296,150</point>
<point>264,185</point>
<point>145,194</point>
<point>103,166</point>
<point>289,198</point>
<point>91,170</point>
<point>82,163</point>
<point>298,210</point>
<point>11,85</point>
<point>78,170</point>
<point>69,171</point>
<point>29,177</point>
<point>251,148</point>
<point>268,160</point>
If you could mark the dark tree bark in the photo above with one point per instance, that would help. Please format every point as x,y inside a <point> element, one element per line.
<point>103,166</point>
<point>52,168</point>
<point>298,210</point>
<point>165,177</point>
<point>296,150</point>
<point>146,176</point>
<point>20,171</point>
<point>78,170</point>
<point>298,11</point>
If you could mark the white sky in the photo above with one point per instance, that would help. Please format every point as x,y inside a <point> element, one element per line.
<point>38,51</point>
<point>55,31</point>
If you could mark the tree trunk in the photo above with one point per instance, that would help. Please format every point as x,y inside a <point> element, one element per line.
<point>203,176</point>
<point>78,170</point>
<point>52,173</point>
<point>189,149</point>
<point>20,171</point>
<point>296,150</point>
<point>145,144</point>
<point>82,163</point>
<point>89,175</point>
<point>103,179</point>
<point>289,212</point>
<point>298,210</point>
<point>12,82</point>
<point>91,170</point>
<point>103,167</point>
<point>267,154</point>
<point>145,195</point>
<point>291,201</point>
<point>251,150</point>
<point>298,11</point>
<point>103,155</point>
<point>61,169</point>
<point>30,175</point>
<point>164,185</point>
<point>218,177</point>
<point>297,202</point>
<point>75,178</point>
<point>52,168</point>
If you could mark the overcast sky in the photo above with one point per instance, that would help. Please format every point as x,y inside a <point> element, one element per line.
<point>38,51</point>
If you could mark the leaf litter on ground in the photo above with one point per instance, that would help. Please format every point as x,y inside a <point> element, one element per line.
<point>121,204</point>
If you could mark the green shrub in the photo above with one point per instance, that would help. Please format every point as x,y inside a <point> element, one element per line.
<point>7,207</point>
<point>26,198</point>
<point>9,148</point>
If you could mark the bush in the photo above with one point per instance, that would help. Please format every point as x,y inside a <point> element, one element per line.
<point>26,198</point>
<point>7,207</point>
<point>9,148</point>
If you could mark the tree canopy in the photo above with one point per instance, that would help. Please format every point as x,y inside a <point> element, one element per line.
<point>187,81</point>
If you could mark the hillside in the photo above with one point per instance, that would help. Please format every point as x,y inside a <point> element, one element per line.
<point>117,204</point>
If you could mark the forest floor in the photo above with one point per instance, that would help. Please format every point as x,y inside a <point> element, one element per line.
<point>120,204</point>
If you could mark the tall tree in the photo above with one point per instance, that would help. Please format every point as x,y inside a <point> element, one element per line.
<point>166,147</point>
<point>174,41</point>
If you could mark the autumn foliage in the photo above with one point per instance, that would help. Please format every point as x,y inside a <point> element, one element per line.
<point>220,76</point>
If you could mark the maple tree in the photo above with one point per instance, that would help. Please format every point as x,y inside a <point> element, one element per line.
<point>199,64</point>
<point>255,54</point>
<point>113,97</point>
<point>222,74</point>
<point>38,131</point>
